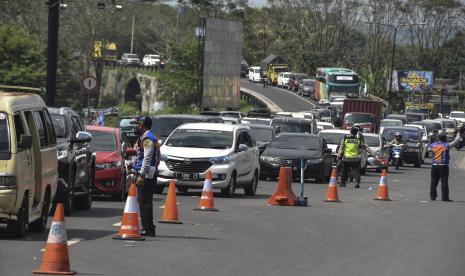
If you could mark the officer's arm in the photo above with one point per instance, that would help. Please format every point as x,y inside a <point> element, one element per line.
<point>369,150</point>
<point>341,148</point>
<point>148,154</point>
<point>453,143</point>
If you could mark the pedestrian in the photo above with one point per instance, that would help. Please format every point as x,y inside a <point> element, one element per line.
<point>349,153</point>
<point>146,166</point>
<point>440,166</point>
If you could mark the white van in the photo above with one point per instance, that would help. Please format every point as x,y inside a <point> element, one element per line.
<point>254,74</point>
<point>28,162</point>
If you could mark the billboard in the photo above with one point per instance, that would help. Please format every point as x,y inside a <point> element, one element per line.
<point>222,64</point>
<point>415,81</point>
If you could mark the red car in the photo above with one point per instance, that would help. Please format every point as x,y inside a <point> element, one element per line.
<point>109,146</point>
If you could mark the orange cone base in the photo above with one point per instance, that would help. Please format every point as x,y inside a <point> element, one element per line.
<point>170,221</point>
<point>53,272</point>
<point>129,238</point>
<point>206,209</point>
<point>332,200</point>
<point>383,199</point>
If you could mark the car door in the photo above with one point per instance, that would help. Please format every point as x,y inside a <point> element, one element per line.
<point>80,153</point>
<point>251,155</point>
<point>241,165</point>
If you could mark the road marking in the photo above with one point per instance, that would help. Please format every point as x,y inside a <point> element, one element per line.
<point>118,224</point>
<point>69,242</point>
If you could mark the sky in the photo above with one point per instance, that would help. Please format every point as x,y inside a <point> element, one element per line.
<point>257,3</point>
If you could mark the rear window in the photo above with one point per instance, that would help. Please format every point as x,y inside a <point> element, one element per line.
<point>102,141</point>
<point>201,138</point>
<point>4,133</point>
<point>132,56</point>
<point>296,142</point>
<point>293,127</point>
<point>164,126</point>
<point>371,141</point>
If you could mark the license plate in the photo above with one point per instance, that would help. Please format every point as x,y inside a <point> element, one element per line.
<point>187,176</point>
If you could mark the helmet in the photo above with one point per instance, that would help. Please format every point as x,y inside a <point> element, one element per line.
<point>442,137</point>
<point>354,130</point>
<point>146,121</point>
<point>398,134</point>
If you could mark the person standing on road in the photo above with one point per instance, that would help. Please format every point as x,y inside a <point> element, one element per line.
<point>146,165</point>
<point>440,166</point>
<point>349,153</point>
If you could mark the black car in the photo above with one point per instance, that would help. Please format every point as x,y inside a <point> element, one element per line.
<point>288,149</point>
<point>163,125</point>
<point>296,125</point>
<point>76,163</point>
<point>412,137</point>
<point>306,87</point>
<point>263,135</point>
<point>128,128</point>
<point>402,117</point>
<point>295,79</point>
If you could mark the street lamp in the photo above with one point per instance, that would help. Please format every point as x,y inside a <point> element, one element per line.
<point>394,27</point>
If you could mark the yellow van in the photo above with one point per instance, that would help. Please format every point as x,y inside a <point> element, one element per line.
<point>28,162</point>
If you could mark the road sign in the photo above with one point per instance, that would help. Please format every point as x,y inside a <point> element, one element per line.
<point>89,83</point>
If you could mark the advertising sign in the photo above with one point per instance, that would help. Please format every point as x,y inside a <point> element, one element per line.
<point>415,81</point>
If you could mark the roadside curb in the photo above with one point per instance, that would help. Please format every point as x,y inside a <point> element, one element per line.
<point>267,102</point>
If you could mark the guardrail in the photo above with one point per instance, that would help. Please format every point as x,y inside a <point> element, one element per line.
<point>259,100</point>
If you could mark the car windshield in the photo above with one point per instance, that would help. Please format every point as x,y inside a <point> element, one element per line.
<point>262,134</point>
<point>287,75</point>
<point>308,83</point>
<point>164,126</point>
<point>132,56</point>
<point>414,117</point>
<point>60,125</point>
<point>265,122</point>
<point>231,115</point>
<point>457,115</point>
<point>449,124</point>
<point>333,138</point>
<point>126,122</point>
<point>280,69</point>
<point>257,71</point>
<point>293,127</point>
<point>390,123</point>
<point>4,133</point>
<point>301,76</point>
<point>429,126</point>
<point>326,126</point>
<point>417,110</point>
<point>371,141</point>
<point>296,142</point>
<point>410,135</point>
<point>358,118</point>
<point>102,141</point>
<point>201,138</point>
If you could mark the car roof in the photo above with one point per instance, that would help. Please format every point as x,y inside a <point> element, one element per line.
<point>295,134</point>
<point>211,126</point>
<point>371,134</point>
<point>345,131</point>
<point>61,110</point>
<point>324,124</point>
<point>257,126</point>
<point>392,120</point>
<point>400,128</point>
<point>444,119</point>
<point>193,116</point>
<point>396,115</point>
<point>292,119</point>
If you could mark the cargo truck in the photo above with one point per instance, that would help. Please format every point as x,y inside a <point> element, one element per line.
<point>107,52</point>
<point>366,113</point>
<point>430,110</point>
<point>271,66</point>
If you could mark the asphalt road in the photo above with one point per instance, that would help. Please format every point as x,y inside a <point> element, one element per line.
<point>285,99</point>
<point>409,235</point>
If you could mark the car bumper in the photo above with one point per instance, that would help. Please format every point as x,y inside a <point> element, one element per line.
<point>411,157</point>
<point>7,202</point>
<point>108,181</point>
<point>310,170</point>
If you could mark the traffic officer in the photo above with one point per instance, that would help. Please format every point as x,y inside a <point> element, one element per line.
<point>440,166</point>
<point>349,153</point>
<point>146,165</point>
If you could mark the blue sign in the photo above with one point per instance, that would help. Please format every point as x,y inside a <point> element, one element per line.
<point>415,81</point>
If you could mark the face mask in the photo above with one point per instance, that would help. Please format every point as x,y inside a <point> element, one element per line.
<point>139,131</point>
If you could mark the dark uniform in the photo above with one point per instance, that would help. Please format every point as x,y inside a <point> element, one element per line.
<point>146,165</point>
<point>440,166</point>
<point>349,152</point>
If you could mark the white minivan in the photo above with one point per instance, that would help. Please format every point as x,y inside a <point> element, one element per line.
<point>229,151</point>
<point>254,74</point>
<point>28,162</point>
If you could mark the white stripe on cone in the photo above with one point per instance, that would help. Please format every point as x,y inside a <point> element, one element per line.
<point>57,232</point>
<point>131,205</point>
<point>332,181</point>
<point>382,181</point>
<point>207,186</point>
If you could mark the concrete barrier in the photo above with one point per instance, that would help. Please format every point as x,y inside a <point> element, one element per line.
<point>274,108</point>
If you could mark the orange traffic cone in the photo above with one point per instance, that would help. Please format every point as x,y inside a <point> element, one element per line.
<point>56,258</point>
<point>382,188</point>
<point>284,195</point>
<point>206,200</point>
<point>129,229</point>
<point>170,213</point>
<point>331,193</point>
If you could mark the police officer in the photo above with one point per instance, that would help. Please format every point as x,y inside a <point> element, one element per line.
<point>440,166</point>
<point>146,165</point>
<point>349,153</point>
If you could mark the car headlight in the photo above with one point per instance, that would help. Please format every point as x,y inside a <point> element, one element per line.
<point>62,154</point>
<point>7,182</point>
<point>314,161</point>
<point>366,129</point>
<point>109,165</point>
<point>219,160</point>
<point>163,157</point>
<point>267,158</point>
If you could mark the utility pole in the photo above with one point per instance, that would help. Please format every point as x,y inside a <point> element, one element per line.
<point>392,63</point>
<point>132,34</point>
<point>52,50</point>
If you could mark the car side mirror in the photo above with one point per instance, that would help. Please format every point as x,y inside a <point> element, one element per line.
<point>328,150</point>
<point>242,147</point>
<point>82,137</point>
<point>130,152</point>
<point>25,141</point>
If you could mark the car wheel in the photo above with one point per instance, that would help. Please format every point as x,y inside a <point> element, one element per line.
<point>251,189</point>
<point>182,189</point>
<point>40,224</point>
<point>85,202</point>
<point>18,228</point>
<point>229,190</point>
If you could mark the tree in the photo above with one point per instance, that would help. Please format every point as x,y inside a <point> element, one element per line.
<point>21,58</point>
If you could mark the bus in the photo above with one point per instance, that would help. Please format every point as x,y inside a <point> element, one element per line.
<point>334,82</point>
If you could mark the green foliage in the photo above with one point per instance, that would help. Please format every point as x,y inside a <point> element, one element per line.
<point>21,58</point>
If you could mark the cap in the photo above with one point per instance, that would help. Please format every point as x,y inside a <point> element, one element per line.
<point>442,137</point>
<point>146,121</point>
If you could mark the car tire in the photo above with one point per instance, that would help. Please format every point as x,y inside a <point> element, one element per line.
<point>85,202</point>
<point>229,190</point>
<point>19,228</point>
<point>41,224</point>
<point>251,189</point>
<point>182,189</point>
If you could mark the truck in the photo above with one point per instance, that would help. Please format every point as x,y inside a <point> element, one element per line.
<point>271,66</point>
<point>107,52</point>
<point>429,109</point>
<point>366,113</point>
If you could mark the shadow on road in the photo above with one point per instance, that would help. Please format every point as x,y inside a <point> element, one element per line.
<point>85,234</point>
<point>98,212</point>
<point>186,237</point>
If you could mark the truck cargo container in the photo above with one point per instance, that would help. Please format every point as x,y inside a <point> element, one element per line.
<point>363,112</point>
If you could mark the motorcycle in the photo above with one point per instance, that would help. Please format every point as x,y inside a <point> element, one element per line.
<point>397,153</point>
<point>461,143</point>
